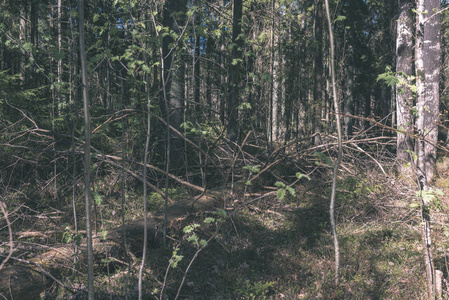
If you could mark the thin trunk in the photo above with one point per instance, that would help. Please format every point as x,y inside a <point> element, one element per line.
<point>235,63</point>
<point>349,101</point>
<point>145,162</point>
<point>22,37</point>
<point>123,185</point>
<point>274,128</point>
<point>90,256</point>
<point>318,71</point>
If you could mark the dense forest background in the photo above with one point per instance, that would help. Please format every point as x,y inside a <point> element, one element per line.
<point>137,136</point>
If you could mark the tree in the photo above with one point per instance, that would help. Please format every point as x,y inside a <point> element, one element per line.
<point>172,83</point>
<point>234,80</point>
<point>318,70</point>
<point>431,64</point>
<point>90,255</point>
<point>427,64</point>
<point>337,163</point>
<point>404,69</point>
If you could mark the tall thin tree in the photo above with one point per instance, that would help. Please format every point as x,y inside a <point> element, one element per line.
<point>90,256</point>
<point>339,133</point>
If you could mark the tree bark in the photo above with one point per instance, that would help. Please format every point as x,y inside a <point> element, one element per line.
<point>426,50</point>
<point>404,69</point>
<point>431,64</point>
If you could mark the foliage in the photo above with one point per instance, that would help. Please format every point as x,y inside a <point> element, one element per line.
<point>252,291</point>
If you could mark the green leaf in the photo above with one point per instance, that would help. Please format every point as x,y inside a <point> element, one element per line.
<point>279,184</point>
<point>220,212</point>
<point>291,190</point>
<point>253,169</point>
<point>28,47</point>
<point>339,19</point>
<point>300,175</point>
<point>175,258</point>
<point>103,234</point>
<point>98,198</point>
<point>209,220</point>
<point>244,105</point>
<point>236,61</point>
<point>190,228</point>
<point>193,239</point>
<point>281,194</point>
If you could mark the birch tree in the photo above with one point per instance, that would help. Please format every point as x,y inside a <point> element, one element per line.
<point>431,64</point>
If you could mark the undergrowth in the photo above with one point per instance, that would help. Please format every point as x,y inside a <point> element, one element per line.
<point>275,249</point>
<point>282,249</point>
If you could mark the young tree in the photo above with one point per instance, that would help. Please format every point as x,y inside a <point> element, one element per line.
<point>90,256</point>
<point>339,133</point>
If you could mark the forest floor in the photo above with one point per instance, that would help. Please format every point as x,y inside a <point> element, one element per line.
<point>283,249</point>
<point>263,247</point>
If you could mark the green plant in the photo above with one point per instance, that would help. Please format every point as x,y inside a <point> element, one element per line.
<point>251,291</point>
<point>69,236</point>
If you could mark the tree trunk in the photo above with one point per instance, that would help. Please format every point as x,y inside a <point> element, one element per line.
<point>90,256</point>
<point>404,67</point>
<point>431,64</point>
<point>426,50</point>
<point>274,113</point>
<point>318,70</point>
<point>340,147</point>
<point>234,82</point>
<point>173,73</point>
<point>349,92</point>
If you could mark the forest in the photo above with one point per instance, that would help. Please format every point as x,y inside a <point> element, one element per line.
<point>215,149</point>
